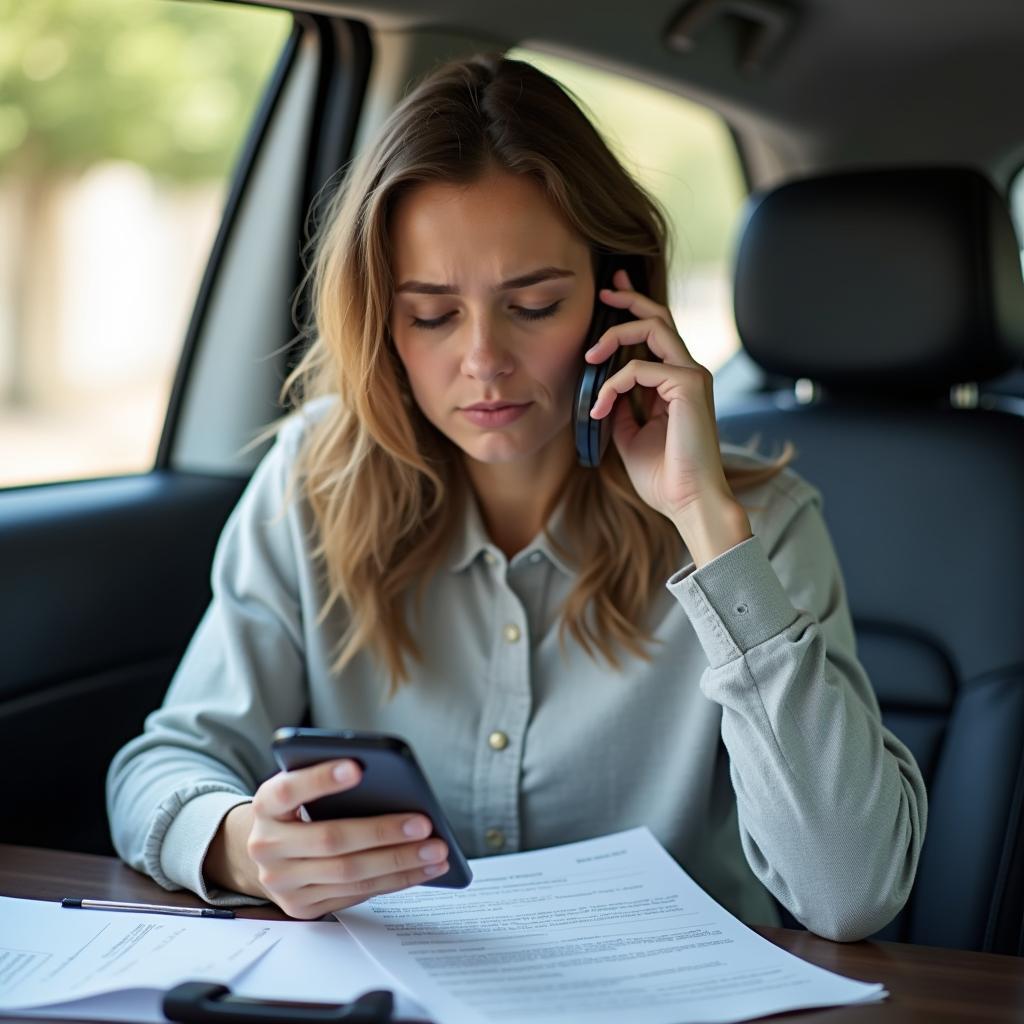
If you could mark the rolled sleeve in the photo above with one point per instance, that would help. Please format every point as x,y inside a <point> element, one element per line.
<point>187,838</point>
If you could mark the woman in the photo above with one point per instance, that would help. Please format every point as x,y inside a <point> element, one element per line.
<point>399,562</point>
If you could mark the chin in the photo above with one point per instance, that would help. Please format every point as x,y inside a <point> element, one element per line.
<point>500,446</point>
<point>495,453</point>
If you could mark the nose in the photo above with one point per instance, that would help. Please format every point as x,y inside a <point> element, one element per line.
<point>485,357</point>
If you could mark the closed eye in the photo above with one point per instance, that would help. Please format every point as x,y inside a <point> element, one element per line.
<point>524,311</point>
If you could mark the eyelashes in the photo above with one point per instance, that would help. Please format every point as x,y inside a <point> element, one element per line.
<point>524,312</point>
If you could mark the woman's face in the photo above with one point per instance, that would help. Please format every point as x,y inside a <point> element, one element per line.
<point>457,254</point>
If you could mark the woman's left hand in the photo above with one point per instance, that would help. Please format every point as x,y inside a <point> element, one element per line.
<point>673,460</point>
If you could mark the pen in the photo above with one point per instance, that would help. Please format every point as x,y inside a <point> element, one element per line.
<point>145,908</point>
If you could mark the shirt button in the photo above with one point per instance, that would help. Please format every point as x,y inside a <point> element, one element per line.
<point>494,838</point>
<point>498,740</point>
<point>511,633</point>
<point>489,558</point>
<point>536,557</point>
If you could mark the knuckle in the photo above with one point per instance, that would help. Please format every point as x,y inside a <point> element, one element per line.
<point>346,871</point>
<point>366,886</point>
<point>285,792</point>
<point>261,802</point>
<point>321,843</point>
<point>259,846</point>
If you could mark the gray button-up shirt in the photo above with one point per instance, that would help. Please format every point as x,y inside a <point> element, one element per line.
<point>751,745</point>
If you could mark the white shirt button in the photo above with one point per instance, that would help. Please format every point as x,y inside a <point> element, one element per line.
<point>490,558</point>
<point>536,557</point>
<point>511,633</point>
<point>498,740</point>
<point>494,838</point>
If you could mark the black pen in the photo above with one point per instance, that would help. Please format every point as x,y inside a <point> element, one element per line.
<point>145,908</point>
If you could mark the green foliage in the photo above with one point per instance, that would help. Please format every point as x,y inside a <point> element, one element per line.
<point>681,152</point>
<point>166,84</point>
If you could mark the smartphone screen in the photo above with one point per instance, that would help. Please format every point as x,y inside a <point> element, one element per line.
<point>392,783</point>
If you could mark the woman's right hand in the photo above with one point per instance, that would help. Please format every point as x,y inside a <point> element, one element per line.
<point>312,868</point>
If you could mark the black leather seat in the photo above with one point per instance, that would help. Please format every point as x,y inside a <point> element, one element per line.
<point>885,288</point>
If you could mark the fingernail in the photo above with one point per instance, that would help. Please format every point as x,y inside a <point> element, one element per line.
<point>432,851</point>
<point>416,828</point>
<point>343,772</point>
<point>435,869</point>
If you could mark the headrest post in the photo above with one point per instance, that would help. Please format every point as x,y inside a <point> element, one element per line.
<point>964,396</point>
<point>805,391</point>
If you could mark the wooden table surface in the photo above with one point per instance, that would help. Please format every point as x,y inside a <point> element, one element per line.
<point>925,983</point>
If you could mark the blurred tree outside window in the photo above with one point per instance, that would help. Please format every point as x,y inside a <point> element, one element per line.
<point>120,123</point>
<point>683,154</point>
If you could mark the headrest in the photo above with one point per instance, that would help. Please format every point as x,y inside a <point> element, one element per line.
<point>903,279</point>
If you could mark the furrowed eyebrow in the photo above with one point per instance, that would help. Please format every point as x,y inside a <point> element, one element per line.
<point>523,281</point>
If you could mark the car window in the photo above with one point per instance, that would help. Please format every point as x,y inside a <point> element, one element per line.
<point>120,121</point>
<point>684,155</point>
<point>1017,208</point>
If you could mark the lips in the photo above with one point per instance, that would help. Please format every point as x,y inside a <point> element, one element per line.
<point>501,416</point>
<point>491,406</point>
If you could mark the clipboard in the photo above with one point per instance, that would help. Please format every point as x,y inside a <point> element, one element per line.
<point>203,1002</point>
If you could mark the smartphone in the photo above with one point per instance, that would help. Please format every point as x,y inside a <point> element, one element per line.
<point>392,783</point>
<point>592,436</point>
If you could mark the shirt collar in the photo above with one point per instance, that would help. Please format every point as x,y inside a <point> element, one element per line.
<point>472,540</point>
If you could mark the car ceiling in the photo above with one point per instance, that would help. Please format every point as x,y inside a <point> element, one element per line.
<point>853,82</point>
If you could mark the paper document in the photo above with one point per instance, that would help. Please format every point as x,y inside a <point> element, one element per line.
<point>50,955</point>
<point>316,961</point>
<point>319,961</point>
<point>604,930</point>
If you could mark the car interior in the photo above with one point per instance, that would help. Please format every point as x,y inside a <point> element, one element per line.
<point>879,301</point>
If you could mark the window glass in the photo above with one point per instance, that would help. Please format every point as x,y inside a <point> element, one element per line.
<point>684,155</point>
<point>1017,208</point>
<point>120,121</point>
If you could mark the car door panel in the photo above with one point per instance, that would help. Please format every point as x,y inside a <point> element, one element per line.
<point>103,584</point>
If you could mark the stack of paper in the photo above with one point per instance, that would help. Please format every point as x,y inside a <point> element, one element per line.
<point>116,965</point>
<point>51,956</point>
<point>605,930</point>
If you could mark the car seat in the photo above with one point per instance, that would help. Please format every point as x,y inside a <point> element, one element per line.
<point>889,295</point>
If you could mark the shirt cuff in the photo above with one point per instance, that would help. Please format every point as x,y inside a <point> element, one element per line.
<point>734,602</point>
<point>187,839</point>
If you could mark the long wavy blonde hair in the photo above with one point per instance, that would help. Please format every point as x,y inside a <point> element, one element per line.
<point>385,487</point>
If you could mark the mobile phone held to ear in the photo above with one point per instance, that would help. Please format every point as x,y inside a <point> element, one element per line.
<point>592,436</point>
<point>392,783</point>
